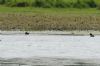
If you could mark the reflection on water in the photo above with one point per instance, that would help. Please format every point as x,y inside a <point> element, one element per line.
<point>44,61</point>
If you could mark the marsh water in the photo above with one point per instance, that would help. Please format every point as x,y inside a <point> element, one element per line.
<point>54,47</point>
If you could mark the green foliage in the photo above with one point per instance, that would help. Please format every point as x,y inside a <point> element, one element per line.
<point>42,3</point>
<point>60,4</point>
<point>11,4</point>
<point>22,4</point>
<point>91,3</point>
<point>52,3</point>
<point>2,1</point>
<point>98,7</point>
<point>78,4</point>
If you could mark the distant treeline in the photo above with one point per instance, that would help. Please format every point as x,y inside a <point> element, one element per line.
<point>52,3</point>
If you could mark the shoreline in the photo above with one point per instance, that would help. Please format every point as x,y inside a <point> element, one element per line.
<point>73,33</point>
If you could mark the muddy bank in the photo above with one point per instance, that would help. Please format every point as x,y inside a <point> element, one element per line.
<point>36,22</point>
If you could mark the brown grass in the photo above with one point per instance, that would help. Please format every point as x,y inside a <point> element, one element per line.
<point>48,22</point>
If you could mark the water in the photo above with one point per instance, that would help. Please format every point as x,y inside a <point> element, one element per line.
<point>12,46</point>
<point>55,46</point>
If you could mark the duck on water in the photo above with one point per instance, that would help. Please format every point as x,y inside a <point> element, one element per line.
<point>91,35</point>
<point>27,33</point>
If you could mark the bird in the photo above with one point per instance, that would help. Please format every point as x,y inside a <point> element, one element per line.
<point>27,33</point>
<point>91,35</point>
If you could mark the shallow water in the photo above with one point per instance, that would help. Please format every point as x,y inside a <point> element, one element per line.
<point>12,46</point>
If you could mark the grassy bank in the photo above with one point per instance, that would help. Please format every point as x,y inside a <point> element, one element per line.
<point>33,19</point>
<point>63,11</point>
<point>60,22</point>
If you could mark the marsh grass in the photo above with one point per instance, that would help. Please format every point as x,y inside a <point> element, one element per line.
<point>34,22</point>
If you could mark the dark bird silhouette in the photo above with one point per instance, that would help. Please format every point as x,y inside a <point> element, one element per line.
<point>27,33</point>
<point>91,35</point>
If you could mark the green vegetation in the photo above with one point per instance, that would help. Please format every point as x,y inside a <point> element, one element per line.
<point>49,15</point>
<point>49,11</point>
<point>52,3</point>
